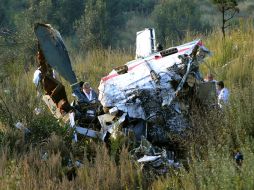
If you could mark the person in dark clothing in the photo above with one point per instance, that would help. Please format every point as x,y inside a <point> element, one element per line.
<point>89,94</point>
<point>238,158</point>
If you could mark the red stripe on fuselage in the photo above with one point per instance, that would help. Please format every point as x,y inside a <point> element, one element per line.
<point>134,66</point>
<point>183,50</point>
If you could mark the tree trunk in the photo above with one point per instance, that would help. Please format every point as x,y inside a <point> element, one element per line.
<point>223,22</point>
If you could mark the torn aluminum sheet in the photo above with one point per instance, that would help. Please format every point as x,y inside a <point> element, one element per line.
<point>160,160</point>
<point>88,132</point>
<point>152,76</point>
<point>148,158</point>
<point>110,125</point>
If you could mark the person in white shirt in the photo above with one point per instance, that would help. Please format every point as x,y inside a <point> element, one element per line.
<point>37,77</point>
<point>223,94</point>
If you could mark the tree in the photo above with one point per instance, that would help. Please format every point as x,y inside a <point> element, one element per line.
<point>92,27</point>
<point>100,23</point>
<point>174,18</point>
<point>64,13</point>
<point>228,9</point>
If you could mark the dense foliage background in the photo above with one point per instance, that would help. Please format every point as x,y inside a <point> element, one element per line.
<point>99,35</point>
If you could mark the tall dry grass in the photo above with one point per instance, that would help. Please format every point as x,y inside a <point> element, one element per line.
<point>30,171</point>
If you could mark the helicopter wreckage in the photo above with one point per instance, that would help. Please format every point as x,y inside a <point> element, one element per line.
<point>148,97</point>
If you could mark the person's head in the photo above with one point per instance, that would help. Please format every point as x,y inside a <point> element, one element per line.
<point>86,87</point>
<point>209,77</point>
<point>159,47</point>
<point>220,85</point>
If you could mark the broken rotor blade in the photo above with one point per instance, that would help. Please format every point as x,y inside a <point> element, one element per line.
<point>54,50</point>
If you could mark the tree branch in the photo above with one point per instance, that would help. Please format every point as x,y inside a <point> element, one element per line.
<point>232,16</point>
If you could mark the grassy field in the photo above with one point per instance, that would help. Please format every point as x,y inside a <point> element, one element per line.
<point>40,162</point>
